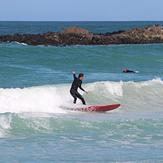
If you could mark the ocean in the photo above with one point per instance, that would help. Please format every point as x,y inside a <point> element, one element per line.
<point>34,87</point>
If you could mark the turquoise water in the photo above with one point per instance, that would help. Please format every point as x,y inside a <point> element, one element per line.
<point>34,87</point>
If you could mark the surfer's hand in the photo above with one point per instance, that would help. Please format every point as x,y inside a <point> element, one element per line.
<point>73,72</point>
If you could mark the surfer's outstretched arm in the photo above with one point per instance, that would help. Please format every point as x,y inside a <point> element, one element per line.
<point>74,75</point>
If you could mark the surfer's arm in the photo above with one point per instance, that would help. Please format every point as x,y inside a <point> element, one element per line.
<point>81,87</point>
<point>74,75</point>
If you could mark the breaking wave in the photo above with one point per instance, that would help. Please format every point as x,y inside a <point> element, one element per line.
<point>49,99</point>
<point>39,109</point>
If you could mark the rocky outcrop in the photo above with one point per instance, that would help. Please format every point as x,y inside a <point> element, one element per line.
<point>79,36</point>
<point>76,30</point>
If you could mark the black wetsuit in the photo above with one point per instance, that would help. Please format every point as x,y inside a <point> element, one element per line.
<point>128,71</point>
<point>74,89</point>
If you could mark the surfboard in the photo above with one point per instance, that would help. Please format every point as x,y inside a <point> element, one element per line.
<point>98,108</point>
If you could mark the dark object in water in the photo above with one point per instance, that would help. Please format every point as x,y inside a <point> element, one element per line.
<point>128,71</point>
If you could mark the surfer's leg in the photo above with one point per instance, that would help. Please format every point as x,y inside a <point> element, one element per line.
<point>81,98</point>
<point>75,100</point>
<point>73,94</point>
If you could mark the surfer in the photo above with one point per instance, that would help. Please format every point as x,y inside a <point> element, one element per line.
<point>126,70</point>
<point>74,88</point>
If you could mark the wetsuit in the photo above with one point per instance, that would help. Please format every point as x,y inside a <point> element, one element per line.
<point>128,71</point>
<point>74,89</point>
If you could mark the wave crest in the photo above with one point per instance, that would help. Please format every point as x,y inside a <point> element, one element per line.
<point>131,95</point>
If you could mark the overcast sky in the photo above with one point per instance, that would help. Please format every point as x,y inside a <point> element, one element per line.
<point>81,10</point>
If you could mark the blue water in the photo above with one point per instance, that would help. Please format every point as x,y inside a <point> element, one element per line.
<point>34,87</point>
<point>96,27</point>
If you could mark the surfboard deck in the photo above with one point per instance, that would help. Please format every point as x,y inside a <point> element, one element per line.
<point>99,108</point>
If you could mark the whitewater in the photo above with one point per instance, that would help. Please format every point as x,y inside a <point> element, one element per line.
<point>36,114</point>
<point>133,96</point>
<point>139,100</point>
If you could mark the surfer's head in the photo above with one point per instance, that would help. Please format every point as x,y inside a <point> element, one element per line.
<point>81,76</point>
<point>125,70</point>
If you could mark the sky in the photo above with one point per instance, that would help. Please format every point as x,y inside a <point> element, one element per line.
<point>81,10</point>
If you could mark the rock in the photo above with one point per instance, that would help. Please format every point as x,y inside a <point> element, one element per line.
<point>76,30</point>
<point>79,36</point>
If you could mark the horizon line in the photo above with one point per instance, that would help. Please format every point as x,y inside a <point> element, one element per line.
<point>81,20</point>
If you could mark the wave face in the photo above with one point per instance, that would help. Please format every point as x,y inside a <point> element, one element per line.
<point>40,105</point>
<point>134,96</point>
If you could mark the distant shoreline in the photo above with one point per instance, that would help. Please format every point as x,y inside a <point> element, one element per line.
<point>80,36</point>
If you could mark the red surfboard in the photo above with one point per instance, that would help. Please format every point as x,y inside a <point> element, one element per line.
<point>100,108</point>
